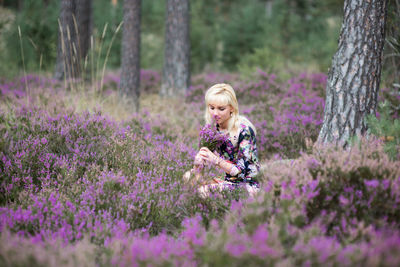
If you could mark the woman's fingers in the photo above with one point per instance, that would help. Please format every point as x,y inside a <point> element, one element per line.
<point>198,160</point>
<point>204,154</point>
<point>209,157</point>
<point>205,149</point>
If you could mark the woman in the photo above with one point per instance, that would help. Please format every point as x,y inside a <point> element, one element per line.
<point>237,157</point>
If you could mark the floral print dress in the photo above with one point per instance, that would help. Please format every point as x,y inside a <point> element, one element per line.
<point>243,154</point>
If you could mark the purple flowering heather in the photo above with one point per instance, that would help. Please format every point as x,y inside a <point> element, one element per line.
<point>211,138</point>
<point>82,188</point>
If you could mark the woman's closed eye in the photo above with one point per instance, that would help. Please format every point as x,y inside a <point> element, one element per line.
<point>221,108</point>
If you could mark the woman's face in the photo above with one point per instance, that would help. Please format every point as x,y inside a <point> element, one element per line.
<point>220,113</point>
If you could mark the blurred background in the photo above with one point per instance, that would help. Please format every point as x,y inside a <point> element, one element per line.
<point>234,35</point>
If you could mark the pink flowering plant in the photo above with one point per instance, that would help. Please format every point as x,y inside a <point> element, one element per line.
<point>83,187</point>
<point>210,137</point>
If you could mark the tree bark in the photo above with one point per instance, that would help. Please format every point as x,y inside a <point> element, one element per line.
<point>83,11</point>
<point>66,40</point>
<point>353,80</point>
<point>73,38</point>
<point>176,70</point>
<point>130,61</point>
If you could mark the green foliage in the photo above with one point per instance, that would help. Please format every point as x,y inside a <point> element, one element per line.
<point>205,41</point>
<point>391,65</point>
<point>105,13</point>
<point>264,58</point>
<point>387,129</point>
<point>223,34</point>
<point>7,18</point>
<point>152,51</point>
<point>243,32</point>
<point>38,24</point>
<point>295,37</point>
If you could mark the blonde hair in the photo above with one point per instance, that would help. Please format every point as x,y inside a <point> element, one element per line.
<point>224,94</point>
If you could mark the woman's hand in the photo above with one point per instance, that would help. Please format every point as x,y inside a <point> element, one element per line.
<point>198,160</point>
<point>208,156</point>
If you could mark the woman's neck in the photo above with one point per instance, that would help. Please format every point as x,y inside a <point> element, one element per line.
<point>223,127</point>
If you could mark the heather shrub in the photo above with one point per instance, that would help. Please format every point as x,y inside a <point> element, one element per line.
<point>256,232</point>
<point>357,185</point>
<point>48,253</point>
<point>82,186</point>
<point>71,174</point>
<point>341,187</point>
<point>37,148</point>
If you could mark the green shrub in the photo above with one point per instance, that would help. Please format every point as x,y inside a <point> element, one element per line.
<point>387,128</point>
<point>265,58</point>
<point>39,30</point>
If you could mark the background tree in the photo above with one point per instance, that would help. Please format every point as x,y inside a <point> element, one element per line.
<point>353,80</point>
<point>65,64</point>
<point>83,13</point>
<point>392,49</point>
<point>130,54</point>
<point>74,35</point>
<point>176,72</point>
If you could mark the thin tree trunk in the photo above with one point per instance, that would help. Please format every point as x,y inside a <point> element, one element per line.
<point>65,65</point>
<point>176,72</point>
<point>83,11</point>
<point>353,80</point>
<point>130,61</point>
<point>75,24</point>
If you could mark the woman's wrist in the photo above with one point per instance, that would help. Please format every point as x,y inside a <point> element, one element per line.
<point>218,161</point>
<point>233,171</point>
<point>229,168</point>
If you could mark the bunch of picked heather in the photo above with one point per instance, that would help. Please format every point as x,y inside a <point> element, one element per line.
<point>211,138</point>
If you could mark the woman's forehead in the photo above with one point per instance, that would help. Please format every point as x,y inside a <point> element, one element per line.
<point>218,104</point>
<point>218,99</point>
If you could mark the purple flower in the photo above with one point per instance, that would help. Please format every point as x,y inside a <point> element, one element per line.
<point>372,183</point>
<point>344,201</point>
<point>211,138</point>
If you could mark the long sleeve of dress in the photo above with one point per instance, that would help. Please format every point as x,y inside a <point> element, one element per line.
<point>243,155</point>
<point>247,159</point>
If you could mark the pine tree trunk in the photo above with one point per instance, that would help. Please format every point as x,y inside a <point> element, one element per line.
<point>74,36</point>
<point>176,71</point>
<point>65,65</point>
<point>83,11</point>
<point>130,74</point>
<point>353,80</point>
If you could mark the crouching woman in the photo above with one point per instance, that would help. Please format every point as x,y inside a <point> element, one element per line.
<point>237,155</point>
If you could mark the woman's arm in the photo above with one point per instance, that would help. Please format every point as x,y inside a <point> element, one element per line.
<point>247,156</point>
<point>226,166</point>
<point>246,161</point>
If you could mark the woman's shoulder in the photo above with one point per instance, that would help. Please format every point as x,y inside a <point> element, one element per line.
<point>245,128</point>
